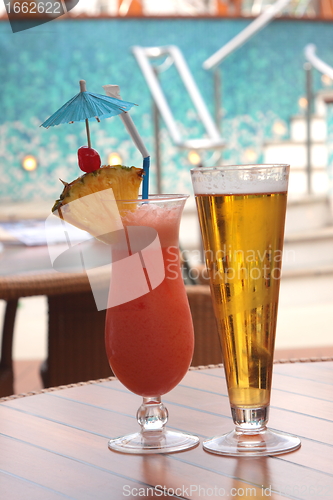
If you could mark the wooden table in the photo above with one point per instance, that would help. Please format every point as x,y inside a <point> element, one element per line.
<point>54,444</point>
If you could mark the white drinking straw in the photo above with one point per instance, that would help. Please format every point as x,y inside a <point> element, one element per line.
<point>114,91</point>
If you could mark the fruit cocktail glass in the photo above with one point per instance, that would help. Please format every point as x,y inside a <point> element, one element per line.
<point>149,339</point>
<point>242,214</point>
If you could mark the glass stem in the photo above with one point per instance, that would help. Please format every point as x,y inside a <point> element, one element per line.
<point>250,420</point>
<point>152,415</point>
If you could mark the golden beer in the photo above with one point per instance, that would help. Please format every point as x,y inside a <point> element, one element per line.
<point>242,211</point>
<point>243,240</point>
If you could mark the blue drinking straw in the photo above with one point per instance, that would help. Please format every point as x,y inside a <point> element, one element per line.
<point>145,182</point>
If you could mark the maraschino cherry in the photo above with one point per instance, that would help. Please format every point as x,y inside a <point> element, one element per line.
<point>89,159</point>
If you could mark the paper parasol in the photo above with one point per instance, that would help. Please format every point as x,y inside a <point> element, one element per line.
<point>85,106</point>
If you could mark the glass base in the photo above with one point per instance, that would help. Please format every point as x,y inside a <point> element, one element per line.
<point>252,444</point>
<point>164,441</point>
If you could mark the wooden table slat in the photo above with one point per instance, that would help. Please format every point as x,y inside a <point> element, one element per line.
<point>56,442</point>
<point>16,488</point>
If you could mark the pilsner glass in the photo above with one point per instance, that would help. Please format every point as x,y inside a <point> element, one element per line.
<point>149,340</point>
<point>242,214</point>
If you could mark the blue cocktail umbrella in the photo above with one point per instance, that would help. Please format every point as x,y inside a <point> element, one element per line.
<point>86,106</point>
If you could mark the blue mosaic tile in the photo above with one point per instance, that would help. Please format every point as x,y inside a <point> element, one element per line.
<point>40,69</point>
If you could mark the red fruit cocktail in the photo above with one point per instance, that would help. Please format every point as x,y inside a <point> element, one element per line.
<point>150,340</point>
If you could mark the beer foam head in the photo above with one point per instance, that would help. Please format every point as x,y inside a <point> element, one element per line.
<point>240,179</point>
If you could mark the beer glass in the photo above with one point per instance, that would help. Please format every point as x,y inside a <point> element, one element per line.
<point>242,214</point>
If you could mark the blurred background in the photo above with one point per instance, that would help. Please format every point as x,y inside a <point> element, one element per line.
<point>257,88</point>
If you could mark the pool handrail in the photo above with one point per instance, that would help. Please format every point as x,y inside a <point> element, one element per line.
<point>251,29</point>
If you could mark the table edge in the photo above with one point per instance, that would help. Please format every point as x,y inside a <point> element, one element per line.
<point>192,368</point>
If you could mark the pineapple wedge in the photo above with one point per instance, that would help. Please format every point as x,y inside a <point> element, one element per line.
<point>93,214</point>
